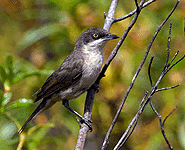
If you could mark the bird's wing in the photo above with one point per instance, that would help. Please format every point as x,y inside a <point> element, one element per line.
<point>65,76</point>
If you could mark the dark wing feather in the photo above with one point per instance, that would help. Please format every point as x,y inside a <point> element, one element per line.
<point>65,76</point>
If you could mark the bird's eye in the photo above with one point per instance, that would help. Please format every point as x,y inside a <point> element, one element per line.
<point>95,36</point>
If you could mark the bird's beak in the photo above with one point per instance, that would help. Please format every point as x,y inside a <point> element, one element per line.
<point>111,36</point>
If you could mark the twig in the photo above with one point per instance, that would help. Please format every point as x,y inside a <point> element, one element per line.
<point>167,88</point>
<point>113,54</point>
<point>168,48</point>
<point>133,12</point>
<point>173,58</point>
<point>165,70</point>
<point>175,63</point>
<point>153,90</point>
<point>169,114</point>
<point>149,69</point>
<point>162,125</point>
<point>132,124</point>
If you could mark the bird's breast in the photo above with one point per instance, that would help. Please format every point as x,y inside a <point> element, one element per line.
<point>93,60</point>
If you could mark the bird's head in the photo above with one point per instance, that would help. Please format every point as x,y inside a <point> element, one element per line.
<point>94,37</point>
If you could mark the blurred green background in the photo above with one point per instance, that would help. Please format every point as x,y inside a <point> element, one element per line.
<point>36,36</point>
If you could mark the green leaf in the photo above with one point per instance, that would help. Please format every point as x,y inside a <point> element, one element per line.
<point>7,98</point>
<point>1,97</point>
<point>7,130</point>
<point>9,63</point>
<point>7,144</point>
<point>34,35</point>
<point>19,103</point>
<point>3,74</point>
<point>46,72</point>
<point>41,131</point>
<point>22,75</point>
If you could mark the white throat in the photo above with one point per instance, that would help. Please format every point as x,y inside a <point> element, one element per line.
<point>94,52</point>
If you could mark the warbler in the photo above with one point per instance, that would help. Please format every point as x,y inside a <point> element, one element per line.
<point>76,74</point>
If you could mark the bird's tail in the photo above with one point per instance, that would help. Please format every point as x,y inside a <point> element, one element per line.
<point>45,104</point>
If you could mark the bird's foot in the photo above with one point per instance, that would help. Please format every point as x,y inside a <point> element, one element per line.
<point>96,87</point>
<point>86,121</point>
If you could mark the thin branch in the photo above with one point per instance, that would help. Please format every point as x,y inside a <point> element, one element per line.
<point>142,101</point>
<point>133,12</point>
<point>167,88</point>
<point>113,54</point>
<point>165,70</point>
<point>175,63</point>
<point>173,58</point>
<point>134,78</point>
<point>132,124</point>
<point>153,90</point>
<point>162,125</point>
<point>149,69</point>
<point>169,114</point>
<point>137,6</point>
<point>168,47</point>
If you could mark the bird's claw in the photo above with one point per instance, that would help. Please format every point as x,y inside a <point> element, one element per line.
<point>87,122</point>
<point>96,87</point>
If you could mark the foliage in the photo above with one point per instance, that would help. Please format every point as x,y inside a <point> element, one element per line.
<point>10,75</point>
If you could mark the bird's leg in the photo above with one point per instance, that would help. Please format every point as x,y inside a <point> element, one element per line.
<point>83,120</point>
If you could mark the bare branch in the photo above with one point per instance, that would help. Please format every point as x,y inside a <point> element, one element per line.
<point>132,124</point>
<point>169,114</point>
<point>173,58</point>
<point>113,54</point>
<point>142,101</point>
<point>149,68</point>
<point>167,88</point>
<point>133,12</point>
<point>168,47</point>
<point>165,70</point>
<point>109,18</point>
<point>87,114</point>
<point>153,90</point>
<point>162,123</point>
<point>175,63</point>
<point>134,78</point>
<point>137,6</point>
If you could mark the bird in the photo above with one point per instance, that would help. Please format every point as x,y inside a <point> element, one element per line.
<point>77,73</point>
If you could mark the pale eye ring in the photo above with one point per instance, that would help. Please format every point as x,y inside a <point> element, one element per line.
<point>95,35</point>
